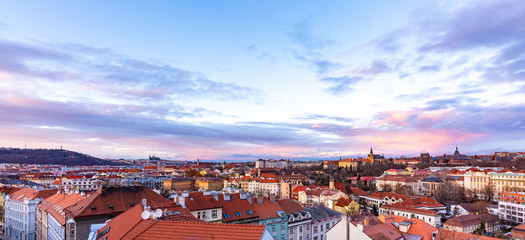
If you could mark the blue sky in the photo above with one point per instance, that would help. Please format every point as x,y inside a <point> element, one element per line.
<point>243,80</point>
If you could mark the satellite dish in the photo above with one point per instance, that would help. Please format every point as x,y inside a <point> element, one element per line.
<point>158,213</point>
<point>145,215</point>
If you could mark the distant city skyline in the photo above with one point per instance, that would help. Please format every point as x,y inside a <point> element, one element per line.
<point>247,80</point>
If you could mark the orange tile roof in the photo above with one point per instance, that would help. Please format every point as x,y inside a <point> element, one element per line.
<point>31,194</point>
<point>418,226</point>
<point>236,205</point>
<point>130,222</point>
<point>448,234</point>
<point>55,204</point>
<point>267,209</point>
<point>198,201</point>
<point>193,230</point>
<point>400,206</point>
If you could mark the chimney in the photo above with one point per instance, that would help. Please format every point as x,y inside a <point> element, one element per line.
<point>360,226</point>
<point>365,222</point>
<point>260,199</point>
<point>215,195</point>
<point>243,195</point>
<point>207,193</point>
<point>272,197</point>
<point>250,199</point>
<point>226,196</point>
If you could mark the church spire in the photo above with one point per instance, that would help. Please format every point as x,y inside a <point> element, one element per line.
<point>371,152</point>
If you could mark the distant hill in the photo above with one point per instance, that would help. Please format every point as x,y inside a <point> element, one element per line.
<point>50,156</point>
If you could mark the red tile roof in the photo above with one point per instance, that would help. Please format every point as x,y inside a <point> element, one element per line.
<point>417,226</point>
<point>31,194</point>
<point>267,209</point>
<point>198,201</point>
<point>55,204</point>
<point>130,222</point>
<point>236,205</point>
<point>290,206</point>
<point>401,207</point>
<point>447,235</point>
<point>192,230</point>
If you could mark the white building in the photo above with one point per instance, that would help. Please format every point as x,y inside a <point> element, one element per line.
<point>81,183</point>
<point>20,212</point>
<point>323,219</point>
<point>270,163</point>
<point>511,207</point>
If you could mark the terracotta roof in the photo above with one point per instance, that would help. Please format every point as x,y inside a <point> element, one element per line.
<point>192,230</point>
<point>130,222</point>
<point>290,206</point>
<point>357,192</point>
<point>417,226</point>
<point>447,234</point>
<point>469,220</point>
<point>401,207</point>
<point>299,188</point>
<point>422,202</point>
<point>267,209</point>
<point>520,227</point>
<point>343,202</point>
<point>235,207</point>
<point>31,194</point>
<point>113,201</point>
<point>340,186</point>
<point>198,201</point>
<point>55,204</point>
<point>376,229</point>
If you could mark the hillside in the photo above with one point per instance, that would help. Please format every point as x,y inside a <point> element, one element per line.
<point>49,156</point>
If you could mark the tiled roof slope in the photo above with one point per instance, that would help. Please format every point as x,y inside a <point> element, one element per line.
<point>233,205</point>
<point>31,194</point>
<point>55,204</point>
<point>198,201</point>
<point>417,226</point>
<point>447,235</point>
<point>290,206</point>
<point>469,220</point>
<point>113,201</point>
<point>130,222</point>
<point>192,230</point>
<point>267,209</point>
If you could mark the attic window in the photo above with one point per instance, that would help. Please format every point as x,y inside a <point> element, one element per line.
<point>110,205</point>
<point>249,212</point>
<point>93,207</point>
<point>226,215</point>
<point>132,204</point>
<point>238,214</point>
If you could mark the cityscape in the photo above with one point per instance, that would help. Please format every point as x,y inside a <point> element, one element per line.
<point>267,120</point>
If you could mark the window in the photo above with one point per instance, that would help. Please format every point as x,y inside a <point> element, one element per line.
<point>307,227</point>
<point>291,230</point>
<point>327,226</point>
<point>226,215</point>
<point>199,215</point>
<point>214,213</point>
<point>300,228</point>
<point>249,212</point>
<point>315,229</point>
<point>238,214</point>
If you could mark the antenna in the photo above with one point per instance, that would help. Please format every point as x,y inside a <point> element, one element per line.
<point>158,213</point>
<point>145,215</point>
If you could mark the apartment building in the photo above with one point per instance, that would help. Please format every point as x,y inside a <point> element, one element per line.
<point>511,207</point>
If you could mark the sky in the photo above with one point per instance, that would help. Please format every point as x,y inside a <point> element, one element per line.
<point>242,80</point>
